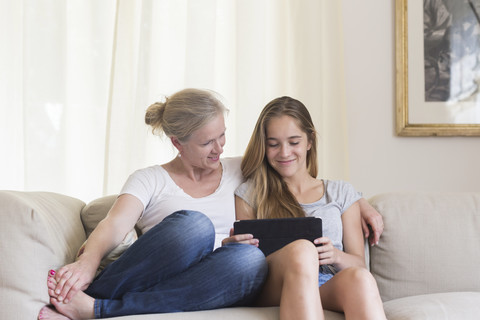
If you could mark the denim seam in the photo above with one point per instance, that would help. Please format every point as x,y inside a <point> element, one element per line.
<point>96,309</point>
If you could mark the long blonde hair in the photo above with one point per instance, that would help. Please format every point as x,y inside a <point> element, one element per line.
<point>270,194</point>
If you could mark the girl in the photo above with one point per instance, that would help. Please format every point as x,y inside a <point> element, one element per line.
<point>280,168</point>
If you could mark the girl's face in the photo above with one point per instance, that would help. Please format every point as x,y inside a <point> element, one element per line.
<point>205,146</point>
<point>287,146</point>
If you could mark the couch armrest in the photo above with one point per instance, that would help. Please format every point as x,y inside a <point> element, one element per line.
<point>38,231</point>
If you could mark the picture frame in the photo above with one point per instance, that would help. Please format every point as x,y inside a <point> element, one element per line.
<point>415,116</point>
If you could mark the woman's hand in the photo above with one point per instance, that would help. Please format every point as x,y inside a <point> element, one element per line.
<point>240,238</point>
<point>327,253</point>
<point>371,219</point>
<point>72,278</point>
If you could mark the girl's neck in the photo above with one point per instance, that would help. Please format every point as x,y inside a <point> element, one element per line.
<point>306,188</point>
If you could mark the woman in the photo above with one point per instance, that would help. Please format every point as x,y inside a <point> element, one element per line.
<point>173,266</point>
<point>280,167</point>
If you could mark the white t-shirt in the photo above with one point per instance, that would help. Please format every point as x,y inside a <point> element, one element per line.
<point>161,197</point>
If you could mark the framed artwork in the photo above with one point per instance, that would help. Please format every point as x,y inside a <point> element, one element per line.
<point>437,67</point>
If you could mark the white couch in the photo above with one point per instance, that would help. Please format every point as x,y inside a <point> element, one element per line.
<point>426,264</point>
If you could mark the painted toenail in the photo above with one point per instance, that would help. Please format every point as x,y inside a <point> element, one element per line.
<point>52,272</point>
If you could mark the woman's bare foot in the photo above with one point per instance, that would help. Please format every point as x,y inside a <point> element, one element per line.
<point>47,313</point>
<point>80,307</point>
<point>51,285</point>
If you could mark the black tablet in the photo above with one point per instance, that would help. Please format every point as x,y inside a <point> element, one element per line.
<point>274,234</point>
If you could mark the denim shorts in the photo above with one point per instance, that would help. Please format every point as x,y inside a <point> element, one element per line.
<point>326,273</point>
<point>323,277</point>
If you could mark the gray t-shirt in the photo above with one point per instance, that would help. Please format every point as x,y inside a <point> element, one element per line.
<point>338,197</point>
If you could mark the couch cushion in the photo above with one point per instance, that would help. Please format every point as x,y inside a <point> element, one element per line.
<point>238,313</point>
<point>39,231</point>
<point>429,245</point>
<point>95,211</point>
<point>439,306</point>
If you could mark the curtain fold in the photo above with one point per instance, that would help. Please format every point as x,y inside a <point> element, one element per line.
<point>79,75</point>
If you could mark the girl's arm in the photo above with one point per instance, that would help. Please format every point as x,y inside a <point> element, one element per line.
<point>243,211</point>
<point>121,218</point>
<point>353,243</point>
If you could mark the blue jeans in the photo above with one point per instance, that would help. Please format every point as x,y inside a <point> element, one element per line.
<point>172,268</point>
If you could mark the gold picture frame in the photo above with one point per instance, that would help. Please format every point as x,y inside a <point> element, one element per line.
<point>404,125</point>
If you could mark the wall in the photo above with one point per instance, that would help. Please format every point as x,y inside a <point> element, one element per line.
<point>379,161</point>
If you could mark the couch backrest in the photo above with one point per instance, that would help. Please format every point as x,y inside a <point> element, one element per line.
<point>431,244</point>
<point>95,211</point>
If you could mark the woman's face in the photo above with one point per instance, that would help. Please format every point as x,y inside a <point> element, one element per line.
<point>286,146</point>
<point>205,146</point>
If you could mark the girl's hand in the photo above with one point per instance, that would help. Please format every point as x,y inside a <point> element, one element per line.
<point>327,253</point>
<point>240,238</point>
<point>72,278</point>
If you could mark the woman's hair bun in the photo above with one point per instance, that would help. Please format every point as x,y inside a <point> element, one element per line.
<point>154,116</point>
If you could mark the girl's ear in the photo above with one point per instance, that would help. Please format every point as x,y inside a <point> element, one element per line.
<point>309,144</point>
<point>176,143</point>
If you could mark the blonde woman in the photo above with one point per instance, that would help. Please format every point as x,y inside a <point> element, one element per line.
<point>184,208</point>
<point>280,168</point>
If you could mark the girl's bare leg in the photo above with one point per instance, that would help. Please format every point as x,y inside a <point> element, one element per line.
<point>292,282</point>
<point>353,291</point>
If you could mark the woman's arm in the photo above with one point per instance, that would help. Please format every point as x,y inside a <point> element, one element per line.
<point>242,212</point>
<point>353,243</point>
<point>121,218</point>
<point>371,217</point>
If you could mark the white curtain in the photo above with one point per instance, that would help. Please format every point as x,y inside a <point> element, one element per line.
<point>77,75</point>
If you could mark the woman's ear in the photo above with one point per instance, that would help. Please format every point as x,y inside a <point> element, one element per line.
<point>176,143</point>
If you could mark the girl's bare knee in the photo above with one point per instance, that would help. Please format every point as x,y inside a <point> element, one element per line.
<point>361,279</point>
<point>301,256</point>
<point>302,250</point>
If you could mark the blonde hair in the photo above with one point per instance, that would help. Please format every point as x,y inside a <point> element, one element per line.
<point>270,194</point>
<point>184,112</point>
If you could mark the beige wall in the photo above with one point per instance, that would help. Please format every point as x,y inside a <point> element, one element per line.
<point>379,161</point>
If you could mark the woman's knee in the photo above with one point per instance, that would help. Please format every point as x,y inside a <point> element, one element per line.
<point>193,223</point>
<point>246,259</point>
<point>182,229</point>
